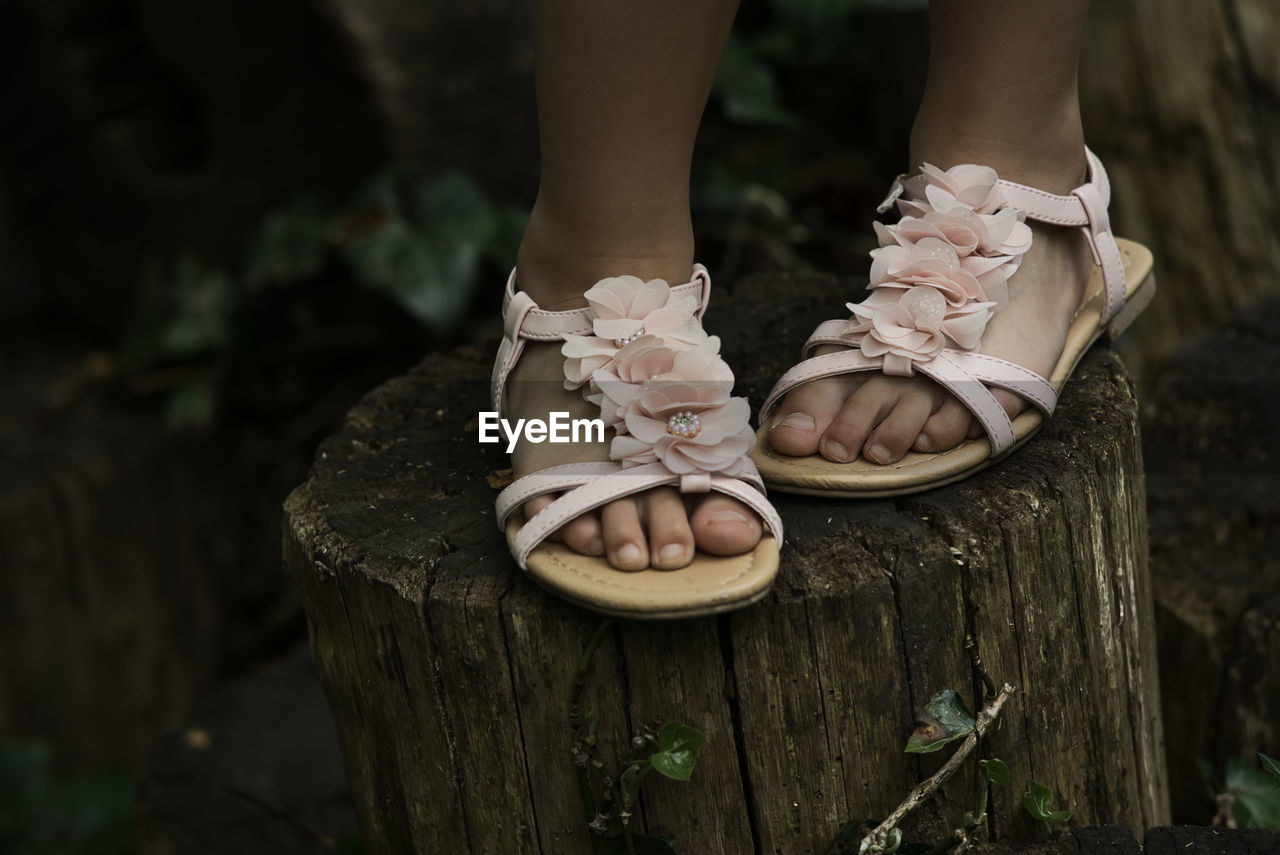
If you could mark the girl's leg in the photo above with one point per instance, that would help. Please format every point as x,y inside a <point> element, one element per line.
<point>621,89</point>
<point>1001,91</point>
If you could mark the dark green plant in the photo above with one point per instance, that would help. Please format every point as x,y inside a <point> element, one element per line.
<point>670,749</point>
<point>43,815</point>
<point>1247,797</point>
<point>944,719</point>
<point>424,242</point>
<point>1036,800</point>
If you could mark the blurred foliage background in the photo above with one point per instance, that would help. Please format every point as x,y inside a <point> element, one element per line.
<point>221,223</point>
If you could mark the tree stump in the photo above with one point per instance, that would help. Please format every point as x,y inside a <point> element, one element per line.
<point>450,674</point>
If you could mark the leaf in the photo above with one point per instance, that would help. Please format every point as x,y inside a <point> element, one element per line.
<point>1257,795</point>
<point>1036,801</point>
<point>290,245</point>
<point>995,771</point>
<point>1270,765</point>
<point>201,317</point>
<point>945,719</point>
<point>644,845</point>
<point>428,257</point>
<point>191,405</point>
<point>679,744</point>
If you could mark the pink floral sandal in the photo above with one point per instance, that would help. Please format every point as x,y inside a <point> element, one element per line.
<point>639,352</point>
<point>939,275</point>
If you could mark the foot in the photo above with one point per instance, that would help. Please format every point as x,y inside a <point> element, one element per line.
<point>660,528</point>
<point>880,418</point>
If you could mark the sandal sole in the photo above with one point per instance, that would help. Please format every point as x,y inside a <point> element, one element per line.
<point>710,585</point>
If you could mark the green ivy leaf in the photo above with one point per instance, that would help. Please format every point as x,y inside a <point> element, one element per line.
<point>427,258</point>
<point>291,244</point>
<point>995,771</point>
<point>191,405</point>
<point>201,317</point>
<point>1036,801</point>
<point>679,744</point>
<point>1270,765</point>
<point>1257,795</point>
<point>945,719</point>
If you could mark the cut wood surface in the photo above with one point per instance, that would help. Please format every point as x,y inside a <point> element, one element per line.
<point>450,674</point>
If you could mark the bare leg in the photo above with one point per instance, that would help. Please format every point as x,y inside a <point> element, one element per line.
<point>1001,91</point>
<point>621,90</point>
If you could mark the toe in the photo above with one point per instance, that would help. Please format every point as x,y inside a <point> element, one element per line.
<point>946,428</point>
<point>584,534</point>
<point>670,538</point>
<point>867,407</point>
<point>535,505</point>
<point>725,526</point>
<point>804,414</point>
<point>624,539</point>
<point>898,431</point>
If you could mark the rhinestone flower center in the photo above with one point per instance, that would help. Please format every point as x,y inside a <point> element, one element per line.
<point>685,424</point>
<point>620,343</point>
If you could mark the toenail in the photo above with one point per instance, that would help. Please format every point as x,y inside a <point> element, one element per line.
<point>835,451</point>
<point>728,516</point>
<point>799,421</point>
<point>628,553</point>
<point>879,454</point>
<point>671,552</point>
<point>923,444</point>
<point>595,547</point>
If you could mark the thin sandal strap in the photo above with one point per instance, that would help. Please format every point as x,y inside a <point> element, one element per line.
<point>620,483</point>
<point>974,394</point>
<point>523,321</point>
<point>1085,206</point>
<point>553,479</point>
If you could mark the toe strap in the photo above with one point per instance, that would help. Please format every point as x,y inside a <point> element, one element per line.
<point>964,374</point>
<point>1008,375</point>
<point>599,490</point>
<point>553,479</point>
<point>815,368</point>
<point>975,395</point>
<point>588,491</point>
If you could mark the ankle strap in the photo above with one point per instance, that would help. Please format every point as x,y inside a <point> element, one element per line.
<point>1085,206</point>
<point>522,321</point>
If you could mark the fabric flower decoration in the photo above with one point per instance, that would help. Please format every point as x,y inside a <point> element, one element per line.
<point>623,309</point>
<point>687,420</point>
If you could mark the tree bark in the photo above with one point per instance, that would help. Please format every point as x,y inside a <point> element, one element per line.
<point>1181,99</point>
<point>1214,458</point>
<point>450,674</point>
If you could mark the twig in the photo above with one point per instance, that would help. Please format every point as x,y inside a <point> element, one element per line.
<point>972,647</point>
<point>877,838</point>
